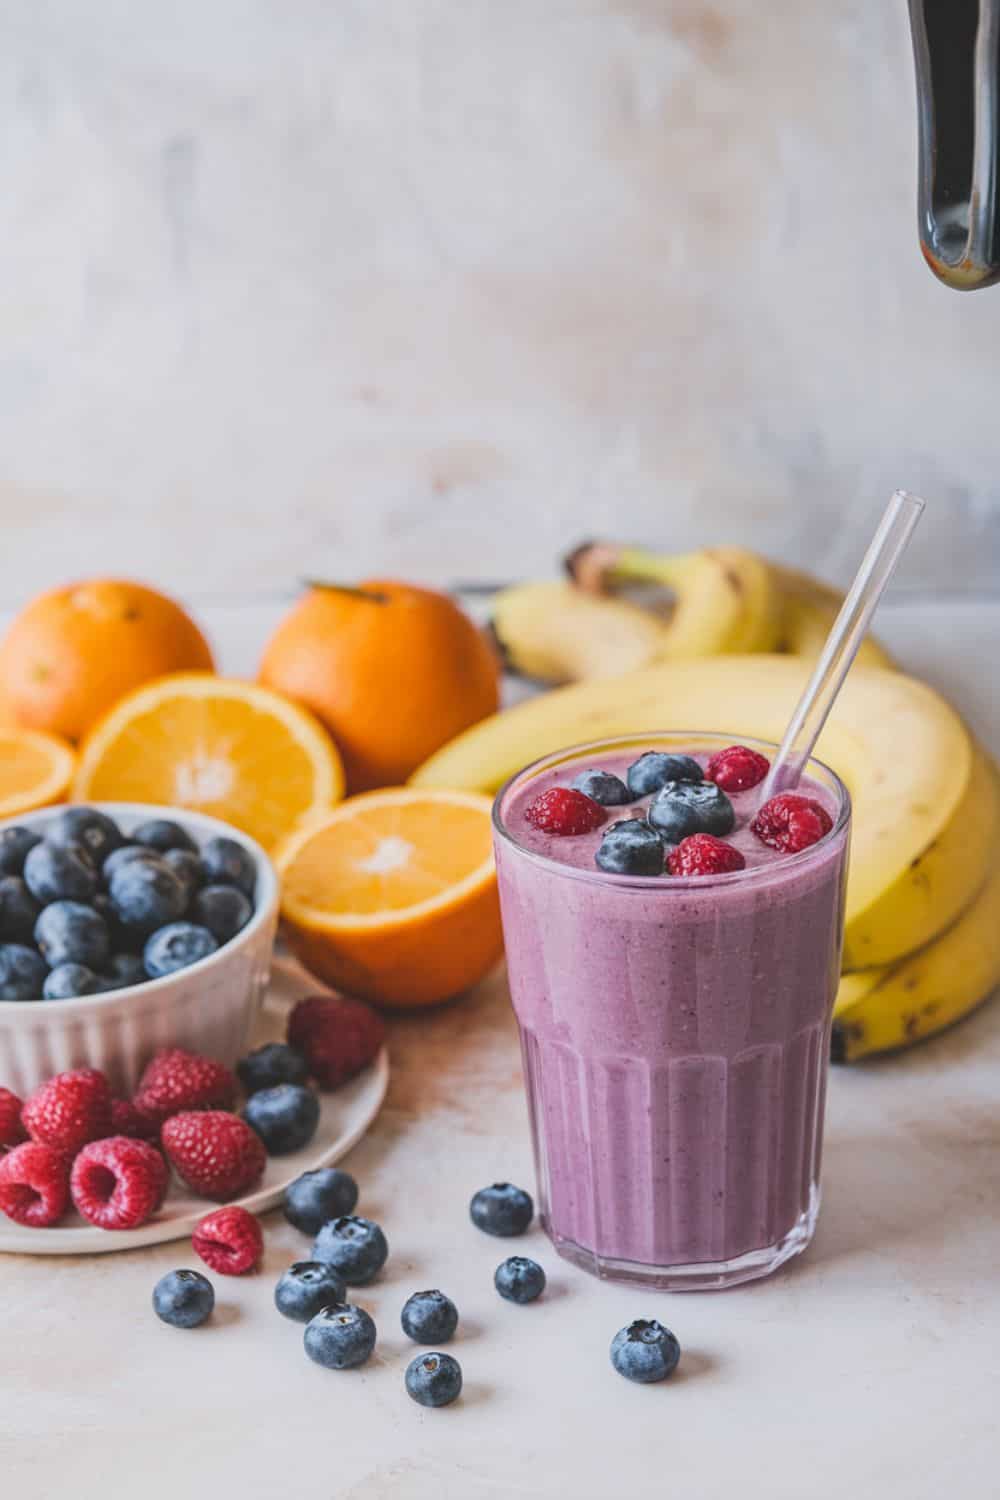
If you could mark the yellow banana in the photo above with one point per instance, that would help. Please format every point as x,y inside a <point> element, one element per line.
<point>809,608</point>
<point>556,633</point>
<point>880,1009</point>
<point>909,763</point>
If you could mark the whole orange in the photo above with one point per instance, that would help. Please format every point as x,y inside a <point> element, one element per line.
<point>392,670</point>
<point>73,652</point>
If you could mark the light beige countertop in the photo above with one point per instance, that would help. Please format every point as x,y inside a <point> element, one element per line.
<point>869,1368</point>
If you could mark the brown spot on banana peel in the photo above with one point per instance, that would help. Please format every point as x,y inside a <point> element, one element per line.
<point>590,566</point>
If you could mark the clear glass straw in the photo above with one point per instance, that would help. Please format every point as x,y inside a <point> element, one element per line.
<point>887,547</point>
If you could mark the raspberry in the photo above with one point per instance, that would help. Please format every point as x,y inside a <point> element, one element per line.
<point>737,769</point>
<point>12,1132</point>
<point>118,1183</point>
<point>704,854</point>
<point>563,811</point>
<point>791,823</point>
<point>337,1036</point>
<point>229,1241</point>
<point>175,1081</point>
<point>127,1120</point>
<point>70,1110</point>
<point>215,1153</point>
<point>34,1185</point>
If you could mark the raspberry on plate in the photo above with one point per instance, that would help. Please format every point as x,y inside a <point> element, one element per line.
<point>229,1240</point>
<point>337,1036</point>
<point>737,768</point>
<point>127,1120</point>
<point>215,1153</point>
<point>791,823</point>
<point>34,1185</point>
<point>12,1132</point>
<point>118,1183</point>
<point>175,1080</point>
<point>563,811</point>
<point>70,1110</point>
<point>703,854</point>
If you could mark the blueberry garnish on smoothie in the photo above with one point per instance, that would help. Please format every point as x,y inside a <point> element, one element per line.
<point>654,769</point>
<point>608,790</point>
<point>681,808</point>
<point>631,847</point>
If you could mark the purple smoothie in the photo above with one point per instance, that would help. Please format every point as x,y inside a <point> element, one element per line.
<point>675,1034</point>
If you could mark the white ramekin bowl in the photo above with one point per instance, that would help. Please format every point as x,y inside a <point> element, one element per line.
<point>208,1008</point>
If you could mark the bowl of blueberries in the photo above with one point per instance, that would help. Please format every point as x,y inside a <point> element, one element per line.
<point>125,928</point>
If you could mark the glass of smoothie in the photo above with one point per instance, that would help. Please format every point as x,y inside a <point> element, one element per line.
<point>673,957</point>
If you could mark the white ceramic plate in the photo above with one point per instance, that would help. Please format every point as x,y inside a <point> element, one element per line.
<point>345,1115</point>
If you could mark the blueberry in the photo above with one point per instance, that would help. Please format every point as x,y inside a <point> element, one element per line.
<point>15,844</point>
<point>123,970</point>
<point>306,1288</point>
<point>60,872</point>
<point>631,847</point>
<point>284,1117</point>
<point>163,834</point>
<point>22,972</point>
<point>18,910</point>
<point>608,790</point>
<point>681,808</point>
<point>146,894</point>
<point>434,1379</point>
<point>272,1064</point>
<point>339,1338</point>
<point>354,1246</point>
<point>655,769</point>
<point>225,862</point>
<point>519,1279</point>
<point>124,856</point>
<point>187,867</point>
<point>68,981</point>
<point>316,1197</point>
<point>88,828</point>
<point>502,1209</point>
<point>645,1351</point>
<point>429,1318</point>
<point>183,1298</point>
<point>67,932</point>
<point>222,909</point>
<point>175,947</point>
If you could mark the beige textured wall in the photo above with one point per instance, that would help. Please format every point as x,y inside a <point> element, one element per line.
<point>441,285</point>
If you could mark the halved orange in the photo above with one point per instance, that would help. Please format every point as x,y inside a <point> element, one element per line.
<point>218,745</point>
<point>35,770</point>
<point>393,896</point>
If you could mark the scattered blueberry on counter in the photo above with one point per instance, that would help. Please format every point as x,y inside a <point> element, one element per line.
<point>285,1117</point>
<point>355,1247</point>
<point>315,1198</point>
<point>429,1318</point>
<point>519,1279</point>
<point>184,1299</point>
<point>306,1288</point>
<point>434,1379</point>
<point>340,1337</point>
<point>502,1209</point>
<point>645,1351</point>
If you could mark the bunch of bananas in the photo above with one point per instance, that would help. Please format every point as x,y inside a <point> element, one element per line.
<point>923,900</point>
